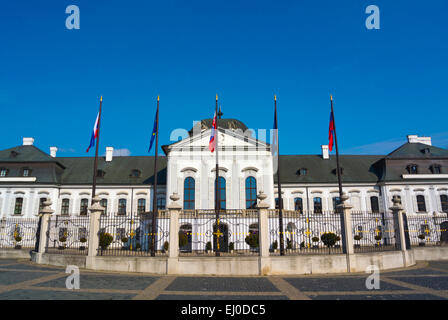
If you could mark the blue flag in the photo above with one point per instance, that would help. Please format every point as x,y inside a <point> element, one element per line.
<point>154,131</point>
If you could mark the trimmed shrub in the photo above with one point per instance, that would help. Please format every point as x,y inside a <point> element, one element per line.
<point>105,240</point>
<point>252,240</point>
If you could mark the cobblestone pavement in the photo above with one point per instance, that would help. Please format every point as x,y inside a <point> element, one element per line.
<point>24,280</point>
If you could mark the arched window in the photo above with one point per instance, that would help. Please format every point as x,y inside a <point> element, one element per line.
<point>141,205</point>
<point>336,202</point>
<point>374,204</point>
<point>444,202</point>
<point>83,207</point>
<point>189,193</point>
<point>251,193</point>
<point>122,207</point>
<point>421,206</point>
<point>298,204</point>
<point>317,205</point>
<point>18,206</point>
<point>222,192</point>
<point>65,206</point>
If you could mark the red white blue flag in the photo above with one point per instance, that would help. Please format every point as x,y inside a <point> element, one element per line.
<point>330,132</point>
<point>94,133</point>
<point>212,143</point>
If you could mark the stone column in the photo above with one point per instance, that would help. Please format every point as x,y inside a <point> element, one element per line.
<point>45,213</point>
<point>95,213</point>
<point>174,208</point>
<point>263,237</point>
<point>346,229</point>
<point>400,236</point>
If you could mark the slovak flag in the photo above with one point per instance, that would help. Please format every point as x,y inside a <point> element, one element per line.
<point>212,143</point>
<point>330,131</point>
<point>94,133</point>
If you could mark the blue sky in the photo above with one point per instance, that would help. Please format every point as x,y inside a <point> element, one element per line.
<point>386,83</point>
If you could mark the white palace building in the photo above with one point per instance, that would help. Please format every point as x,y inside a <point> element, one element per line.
<point>417,172</point>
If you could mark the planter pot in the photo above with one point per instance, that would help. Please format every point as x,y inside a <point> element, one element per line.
<point>231,251</point>
<point>315,246</point>
<point>276,250</point>
<point>377,245</point>
<point>421,244</point>
<point>82,248</point>
<point>357,246</point>
<point>61,247</point>
<point>337,246</point>
<point>18,246</point>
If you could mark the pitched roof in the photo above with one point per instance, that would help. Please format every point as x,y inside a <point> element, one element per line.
<point>417,150</point>
<point>117,172</point>
<point>356,168</point>
<point>26,153</point>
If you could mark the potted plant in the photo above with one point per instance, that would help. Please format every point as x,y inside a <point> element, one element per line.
<point>17,238</point>
<point>302,245</point>
<point>329,239</point>
<point>105,240</point>
<point>231,247</point>
<point>275,246</point>
<point>183,239</point>
<point>252,241</point>
<point>166,246</point>
<point>315,240</point>
<point>288,244</point>
<point>337,239</point>
<point>422,238</point>
<point>208,247</point>
<point>357,238</point>
<point>138,246</point>
<point>124,240</point>
<point>62,239</point>
<point>83,241</point>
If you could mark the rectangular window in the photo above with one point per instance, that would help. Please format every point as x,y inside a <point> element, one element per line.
<point>3,172</point>
<point>317,205</point>
<point>103,203</point>
<point>65,206</point>
<point>26,172</point>
<point>18,206</point>
<point>421,206</point>
<point>122,207</point>
<point>83,207</point>
<point>161,203</point>
<point>141,206</point>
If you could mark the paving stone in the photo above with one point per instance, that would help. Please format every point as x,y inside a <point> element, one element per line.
<point>6,261</point>
<point>414,272</point>
<point>61,295</point>
<point>337,284</point>
<point>436,283</point>
<point>221,284</point>
<point>95,281</point>
<point>439,264</point>
<point>213,297</point>
<point>13,277</point>
<point>30,267</point>
<point>377,297</point>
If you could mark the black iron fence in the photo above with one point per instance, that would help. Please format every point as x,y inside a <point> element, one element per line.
<point>131,235</point>
<point>18,233</point>
<point>68,235</point>
<point>426,230</point>
<point>235,233</point>
<point>373,232</point>
<point>305,232</point>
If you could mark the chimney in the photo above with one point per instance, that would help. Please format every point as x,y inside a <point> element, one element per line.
<point>416,139</point>
<point>109,154</point>
<point>53,151</point>
<point>325,153</point>
<point>28,141</point>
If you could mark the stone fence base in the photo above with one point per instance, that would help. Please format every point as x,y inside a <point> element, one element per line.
<point>248,266</point>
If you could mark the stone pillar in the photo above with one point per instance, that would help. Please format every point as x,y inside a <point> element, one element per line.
<point>174,208</point>
<point>400,235</point>
<point>45,214</point>
<point>263,237</point>
<point>346,229</point>
<point>95,213</point>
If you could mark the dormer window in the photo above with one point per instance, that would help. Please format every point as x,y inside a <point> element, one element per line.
<point>100,173</point>
<point>412,168</point>
<point>26,172</point>
<point>135,173</point>
<point>436,169</point>
<point>14,154</point>
<point>341,170</point>
<point>426,151</point>
<point>3,172</point>
<point>302,172</point>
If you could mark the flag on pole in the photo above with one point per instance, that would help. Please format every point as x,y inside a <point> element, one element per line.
<point>274,145</point>
<point>94,133</point>
<point>212,143</point>
<point>331,131</point>
<point>154,131</point>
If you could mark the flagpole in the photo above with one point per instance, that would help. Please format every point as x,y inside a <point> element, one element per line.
<point>217,195</point>
<point>337,151</point>
<point>95,164</point>
<point>154,198</point>
<point>279,187</point>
